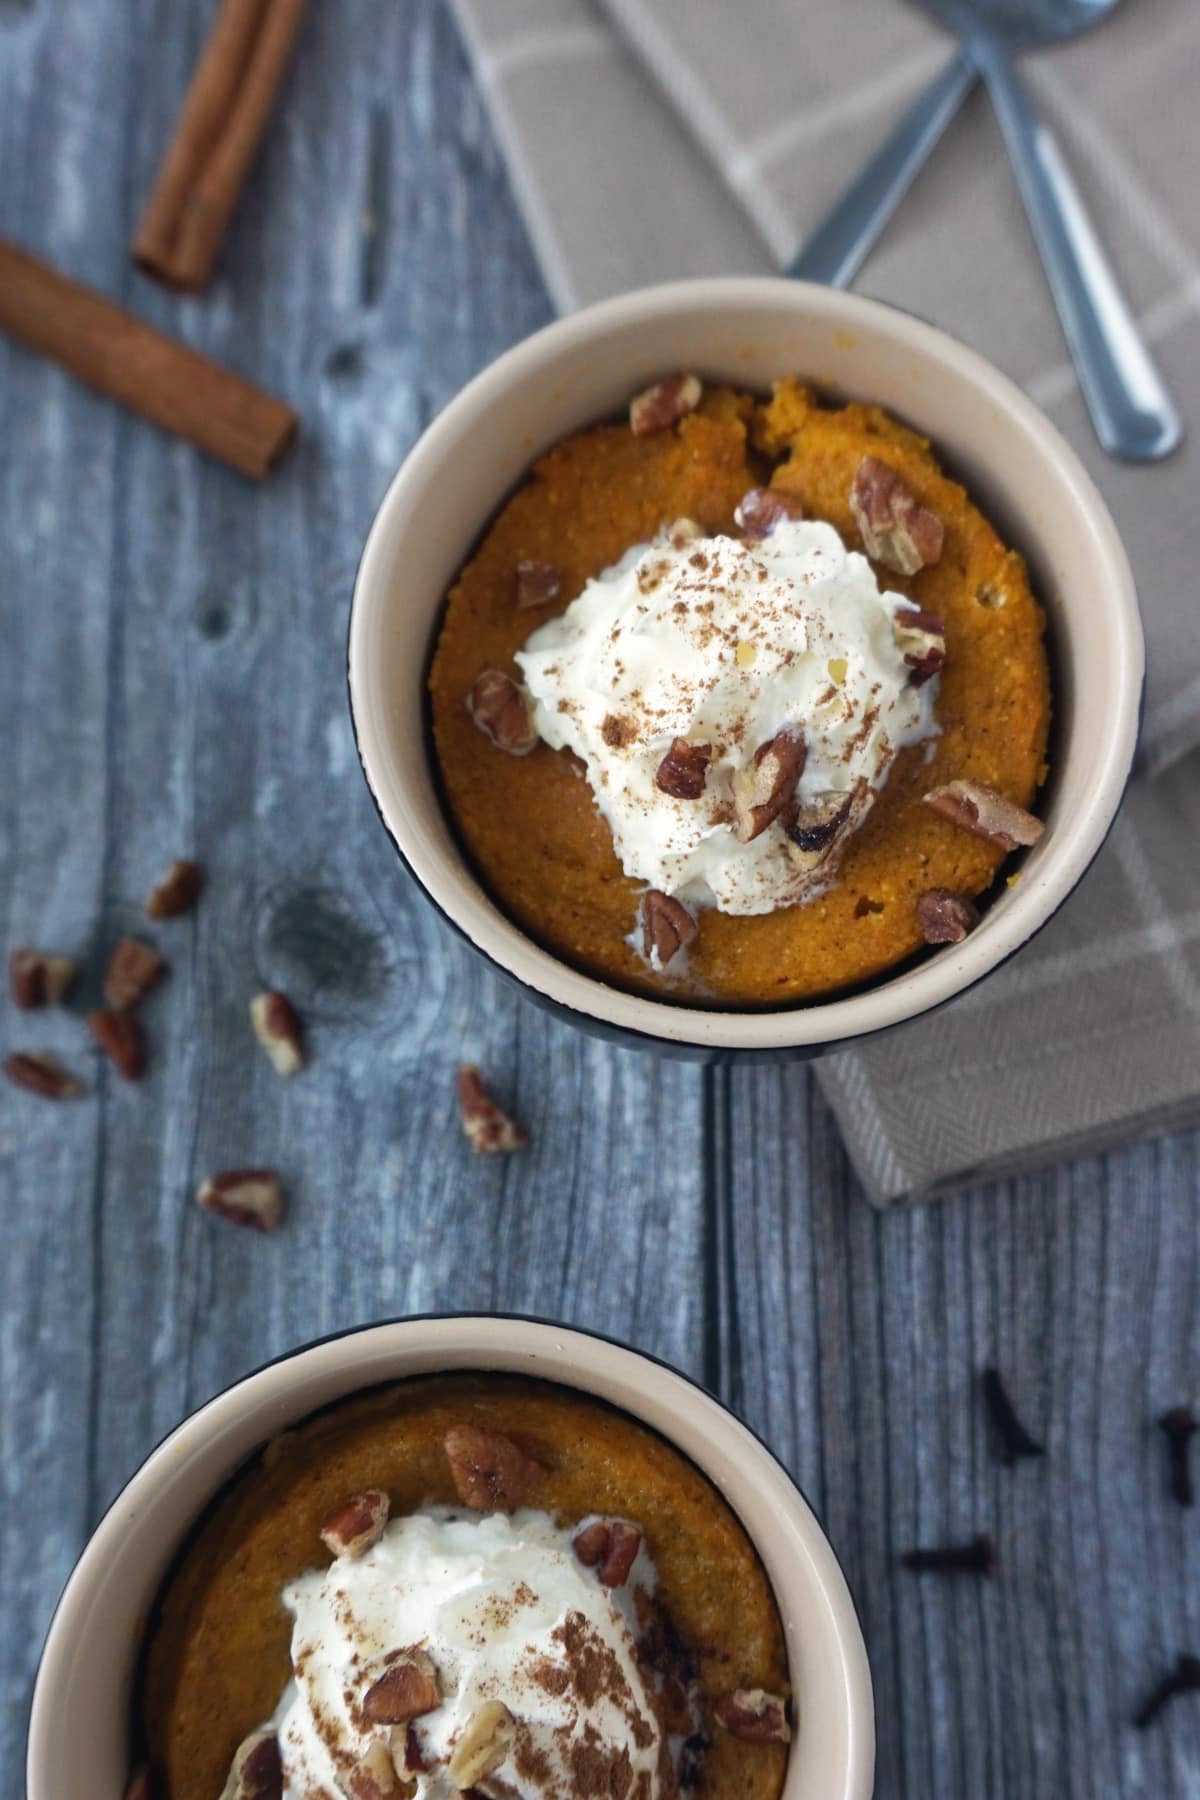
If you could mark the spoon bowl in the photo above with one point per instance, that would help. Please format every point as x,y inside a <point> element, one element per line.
<point>1025,24</point>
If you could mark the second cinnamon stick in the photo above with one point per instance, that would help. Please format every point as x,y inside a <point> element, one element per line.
<point>219,129</point>
<point>118,354</point>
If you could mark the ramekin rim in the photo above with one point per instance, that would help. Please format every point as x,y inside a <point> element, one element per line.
<point>913,991</point>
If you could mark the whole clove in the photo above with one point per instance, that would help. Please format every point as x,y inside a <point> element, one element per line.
<point>1180,1426</point>
<point>1184,1678</point>
<point>1012,1438</point>
<point>976,1558</point>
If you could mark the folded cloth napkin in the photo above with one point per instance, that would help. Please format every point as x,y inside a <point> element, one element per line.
<point>650,139</point>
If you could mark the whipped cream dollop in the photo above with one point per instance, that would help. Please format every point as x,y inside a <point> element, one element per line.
<point>727,643</point>
<point>505,1612</point>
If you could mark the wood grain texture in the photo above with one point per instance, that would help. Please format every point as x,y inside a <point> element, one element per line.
<point>171,682</point>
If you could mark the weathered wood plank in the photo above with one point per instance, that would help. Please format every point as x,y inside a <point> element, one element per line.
<point>859,1341</point>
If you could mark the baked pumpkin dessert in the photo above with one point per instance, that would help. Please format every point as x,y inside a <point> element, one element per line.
<point>467,1585</point>
<point>741,701</point>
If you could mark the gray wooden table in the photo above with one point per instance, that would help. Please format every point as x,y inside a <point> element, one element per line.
<point>171,680</point>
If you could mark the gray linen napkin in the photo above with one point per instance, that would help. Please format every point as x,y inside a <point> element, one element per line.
<point>650,139</point>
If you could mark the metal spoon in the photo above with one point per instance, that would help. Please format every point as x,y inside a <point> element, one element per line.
<point>1131,410</point>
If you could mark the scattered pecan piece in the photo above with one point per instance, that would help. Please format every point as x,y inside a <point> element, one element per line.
<point>921,641</point>
<point>753,1715</point>
<point>590,1543</point>
<point>278,1031</point>
<point>132,971</point>
<point>356,1526</point>
<point>814,830</point>
<point>762,509</point>
<point>489,1128</point>
<point>624,1542</point>
<point>684,769</point>
<point>667,927</point>
<point>489,1471</point>
<point>537,584</point>
<point>985,813</point>
<point>658,407</point>
<point>120,1037</point>
<point>500,707</point>
<point>945,917</point>
<point>405,1747</point>
<point>609,1546</point>
<point>138,1786</point>
<point>487,1737</point>
<point>373,1777</point>
<point>256,1772</point>
<point>896,530</point>
<point>766,785</point>
<point>36,978</point>
<point>178,891</point>
<point>407,1689</point>
<point>251,1197</point>
<point>41,1074</point>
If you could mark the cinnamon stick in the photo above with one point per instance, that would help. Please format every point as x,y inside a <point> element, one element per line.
<point>219,130</point>
<point>120,356</point>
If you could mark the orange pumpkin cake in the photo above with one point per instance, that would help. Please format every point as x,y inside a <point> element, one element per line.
<point>741,701</point>
<point>467,1584</point>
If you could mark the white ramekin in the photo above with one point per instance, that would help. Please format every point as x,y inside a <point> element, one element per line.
<point>747,332</point>
<point>79,1732</point>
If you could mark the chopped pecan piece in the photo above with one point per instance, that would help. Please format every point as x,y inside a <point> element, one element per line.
<point>489,1128</point>
<point>762,509</point>
<point>178,891</point>
<point>278,1031</point>
<point>373,1777</point>
<point>489,1471</point>
<point>945,917</point>
<point>667,927</point>
<point>251,1197</point>
<point>753,1715</point>
<point>407,1689</point>
<point>896,530</point>
<point>120,1037</point>
<point>405,1746</point>
<point>138,1786</point>
<point>487,1737</point>
<point>985,813</point>
<point>36,978</point>
<point>500,707</point>
<point>256,1772</point>
<point>624,1542</point>
<point>537,584</point>
<point>684,769</point>
<point>590,1543</point>
<point>132,971</point>
<point>765,787</point>
<point>41,1074</point>
<point>357,1525</point>
<point>814,830</point>
<point>921,641</point>
<point>658,407</point>
<point>609,1546</point>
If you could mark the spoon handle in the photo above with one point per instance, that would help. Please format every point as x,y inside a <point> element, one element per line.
<point>840,244</point>
<point>1131,409</point>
